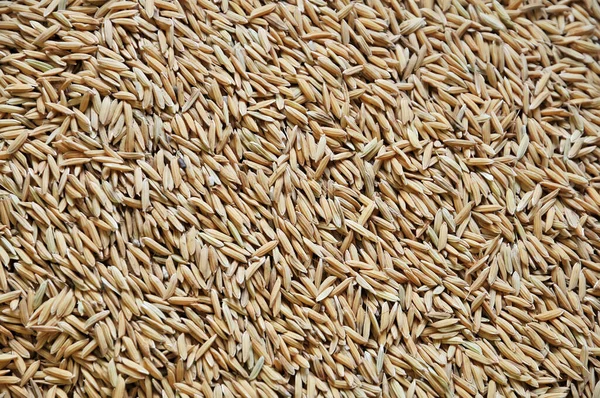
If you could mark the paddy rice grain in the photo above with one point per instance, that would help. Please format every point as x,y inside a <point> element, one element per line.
<point>299,198</point>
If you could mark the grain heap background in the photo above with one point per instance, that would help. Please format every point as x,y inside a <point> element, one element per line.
<point>299,198</point>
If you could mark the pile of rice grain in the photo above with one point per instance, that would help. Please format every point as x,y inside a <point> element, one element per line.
<point>300,198</point>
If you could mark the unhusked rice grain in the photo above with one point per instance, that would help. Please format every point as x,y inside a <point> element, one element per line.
<point>299,198</point>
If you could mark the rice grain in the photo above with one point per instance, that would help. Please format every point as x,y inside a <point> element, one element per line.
<point>299,198</point>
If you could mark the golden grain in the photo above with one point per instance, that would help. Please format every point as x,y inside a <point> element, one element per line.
<point>299,198</point>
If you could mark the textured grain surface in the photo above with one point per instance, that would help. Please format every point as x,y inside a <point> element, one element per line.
<point>302,198</point>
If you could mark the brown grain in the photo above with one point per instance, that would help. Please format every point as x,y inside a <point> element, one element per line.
<point>299,198</point>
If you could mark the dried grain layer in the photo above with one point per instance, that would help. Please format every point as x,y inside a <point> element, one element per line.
<point>300,198</point>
